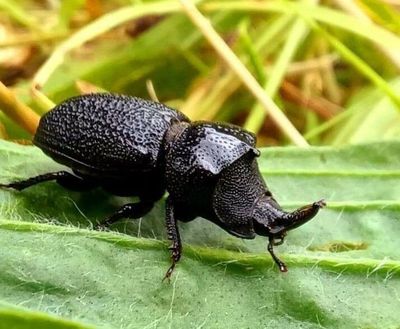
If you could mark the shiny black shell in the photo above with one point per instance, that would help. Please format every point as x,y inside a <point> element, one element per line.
<point>197,158</point>
<point>210,147</point>
<point>106,134</point>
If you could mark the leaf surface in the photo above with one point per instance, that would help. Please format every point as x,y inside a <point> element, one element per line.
<point>343,265</point>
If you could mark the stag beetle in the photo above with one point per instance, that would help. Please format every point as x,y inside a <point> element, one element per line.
<point>134,147</point>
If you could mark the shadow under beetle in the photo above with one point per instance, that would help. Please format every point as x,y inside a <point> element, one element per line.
<point>133,147</point>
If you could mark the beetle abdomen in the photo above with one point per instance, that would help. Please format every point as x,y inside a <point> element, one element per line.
<point>106,132</point>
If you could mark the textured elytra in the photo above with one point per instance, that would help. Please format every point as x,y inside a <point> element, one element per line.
<point>106,133</point>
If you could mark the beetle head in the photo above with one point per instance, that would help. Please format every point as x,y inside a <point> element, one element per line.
<point>270,220</point>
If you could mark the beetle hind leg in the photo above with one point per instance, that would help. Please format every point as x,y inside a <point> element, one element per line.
<point>63,178</point>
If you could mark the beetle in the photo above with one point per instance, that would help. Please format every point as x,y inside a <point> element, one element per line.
<point>134,147</point>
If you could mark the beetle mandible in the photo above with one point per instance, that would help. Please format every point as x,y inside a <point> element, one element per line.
<point>134,147</point>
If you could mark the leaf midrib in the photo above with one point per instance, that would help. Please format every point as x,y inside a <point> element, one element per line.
<point>214,255</point>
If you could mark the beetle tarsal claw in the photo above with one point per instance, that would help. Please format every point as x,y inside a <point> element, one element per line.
<point>100,227</point>
<point>167,275</point>
<point>319,204</point>
<point>283,267</point>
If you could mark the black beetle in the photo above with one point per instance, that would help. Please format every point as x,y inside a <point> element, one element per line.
<point>134,147</point>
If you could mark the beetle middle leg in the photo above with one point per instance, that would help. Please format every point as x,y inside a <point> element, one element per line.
<point>130,210</point>
<point>173,235</point>
<point>63,178</point>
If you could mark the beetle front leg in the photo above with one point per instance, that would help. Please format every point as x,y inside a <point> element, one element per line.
<point>130,210</point>
<point>279,242</point>
<point>271,244</point>
<point>173,235</point>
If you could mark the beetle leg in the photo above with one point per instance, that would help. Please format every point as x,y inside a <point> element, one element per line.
<point>64,178</point>
<point>173,235</point>
<point>130,210</point>
<point>281,265</point>
<point>279,242</point>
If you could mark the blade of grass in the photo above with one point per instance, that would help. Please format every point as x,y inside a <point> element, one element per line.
<point>109,21</point>
<point>45,104</point>
<point>228,83</point>
<point>195,61</point>
<point>96,28</point>
<point>297,34</point>
<point>248,45</point>
<point>151,91</point>
<point>19,14</point>
<point>352,8</point>
<point>374,118</point>
<point>17,111</point>
<point>235,64</point>
<point>358,63</point>
<point>328,124</point>
<point>66,12</point>
<point>332,17</point>
<point>85,87</point>
<point>319,105</point>
<point>27,39</point>
<point>339,20</point>
<point>327,73</point>
<point>299,68</point>
<point>3,131</point>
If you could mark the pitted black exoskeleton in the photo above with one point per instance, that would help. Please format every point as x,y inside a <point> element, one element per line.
<point>134,147</point>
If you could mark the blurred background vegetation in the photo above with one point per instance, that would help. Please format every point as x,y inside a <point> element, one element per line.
<point>332,66</point>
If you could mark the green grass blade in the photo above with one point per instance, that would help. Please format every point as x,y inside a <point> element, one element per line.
<point>296,35</point>
<point>360,65</point>
<point>322,14</point>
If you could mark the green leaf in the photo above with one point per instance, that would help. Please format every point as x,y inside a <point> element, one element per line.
<point>67,10</point>
<point>343,265</point>
<point>19,14</point>
<point>15,318</point>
